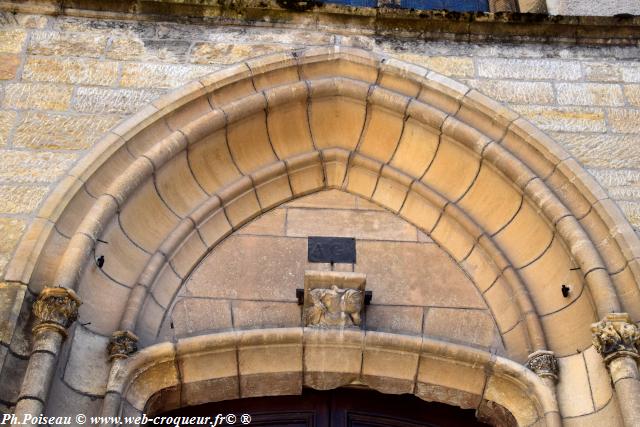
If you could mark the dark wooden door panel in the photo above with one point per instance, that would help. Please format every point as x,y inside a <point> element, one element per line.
<point>338,408</point>
<point>285,419</point>
<point>366,420</point>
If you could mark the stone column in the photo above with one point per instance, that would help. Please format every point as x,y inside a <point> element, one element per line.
<point>545,365</point>
<point>121,345</point>
<point>55,310</point>
<point>617,339</point>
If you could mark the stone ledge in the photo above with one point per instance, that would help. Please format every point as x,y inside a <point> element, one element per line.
<point>428,24</point>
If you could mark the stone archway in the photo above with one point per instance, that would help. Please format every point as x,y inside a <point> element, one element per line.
<point>511,207</point>
<point>281,361</point>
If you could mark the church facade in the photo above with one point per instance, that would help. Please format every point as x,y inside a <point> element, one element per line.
<point>214,203</point>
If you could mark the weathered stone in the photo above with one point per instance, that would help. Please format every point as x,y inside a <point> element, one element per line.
<point>12,374</point>
<point>106,26</point>
<point>475,327</point>
<point>43,96</point>
<point>528,69</point>
<point>624,120</point>
<point>8,19</point>
<point>7,121</point>
<point>335,199</point>
<point>11,40</point>
<point>630,73</point>
<point>602,150</point>
<point>74,71</point>
<point>574,393</point>
<point>566,119</point>
<point>394,319</point>
<point>8,66</point>
<point>161,75</point>
<point>11,298</point>
<point>621,184</point>
<point>589,94</point>
<point>21,199</point>
<point>455,66</point>
<point>396,277</point>
<point>632,212</point>
<point>270,223</point>
<point>632,92</point>
<point>33,167</point>
<point>89,355</point>
<point>31,21</point>
<point>191,315</point>
<point>148,50</point>
<point>515,92</point>
<point>57,131</point>
<point>602,72</point>
<point>67,44</point>
<point>125,49</point>
<point>265,314</point>
<point>275,280</point>
<point>376,225</point>
<point>107,100</point>
<point>228,53</point>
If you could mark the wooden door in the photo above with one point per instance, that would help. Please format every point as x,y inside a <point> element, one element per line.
<point>337,408</point>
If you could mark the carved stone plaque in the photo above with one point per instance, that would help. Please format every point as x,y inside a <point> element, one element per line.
<point>331,249</point>
<point>333,299</point>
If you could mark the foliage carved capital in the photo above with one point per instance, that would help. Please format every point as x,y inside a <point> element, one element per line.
<point>616,336</point>
<point>122,345</point>
<point>544,364</point>
<point>56,309</point>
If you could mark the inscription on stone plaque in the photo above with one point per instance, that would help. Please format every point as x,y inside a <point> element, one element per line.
<point>332,249</point>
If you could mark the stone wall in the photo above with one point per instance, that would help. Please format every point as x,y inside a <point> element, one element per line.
<point>258,288</point>
<point>591,8</point>
<point>66,80</point>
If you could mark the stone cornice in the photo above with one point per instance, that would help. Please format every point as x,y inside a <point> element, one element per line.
<point>621,30</point>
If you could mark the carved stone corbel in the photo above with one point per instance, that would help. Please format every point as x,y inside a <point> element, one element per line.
<point>333,299</point>
<point>544,364</point>
<point>616,336</point>
<point>56,309</point>
<point>122,345</point>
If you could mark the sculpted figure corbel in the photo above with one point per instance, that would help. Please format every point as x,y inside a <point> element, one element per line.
<point>333,299</point>
<point>334,307</point>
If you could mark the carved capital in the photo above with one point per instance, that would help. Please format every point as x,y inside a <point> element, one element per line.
<point>56,309</point>
<point>122,344</point>
<point>544,364</point>
<point>616,336</point>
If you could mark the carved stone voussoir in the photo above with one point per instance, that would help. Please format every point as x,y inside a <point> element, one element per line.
<point>56,309</point>
<point>616,336</point>
<point>544,364</point>
<point>333,299</point>
<point>122,344</point>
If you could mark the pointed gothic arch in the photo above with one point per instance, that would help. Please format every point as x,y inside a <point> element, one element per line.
<point>517,213</point>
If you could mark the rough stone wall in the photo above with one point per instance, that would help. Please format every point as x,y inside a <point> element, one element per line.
<point>64,81</point>
<point>592,8</point>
